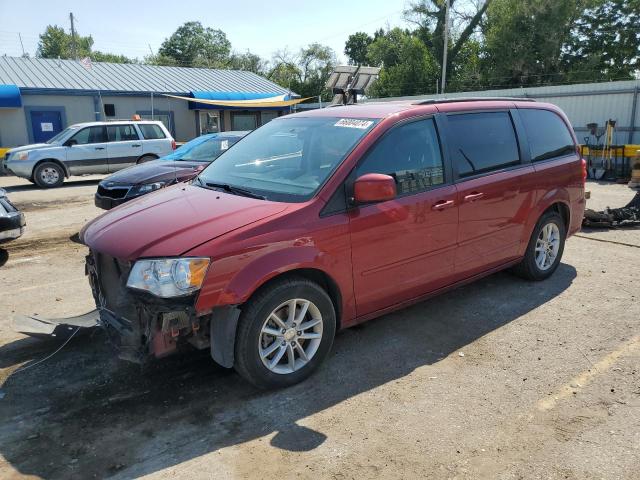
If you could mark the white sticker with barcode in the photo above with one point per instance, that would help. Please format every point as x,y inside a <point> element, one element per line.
<point>353,123</point>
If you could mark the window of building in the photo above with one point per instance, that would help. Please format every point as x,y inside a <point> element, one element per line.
<point>548,135</point>
<point>166,117</point>
<point>483,142</point>
<point>209,122</point>
<point>151,131</point>
<point>109,110</point>
<point>244,121</point>
<point>89,135</point>
<point>121,133</point>
<point>410,154</point>
<point>267,116</point>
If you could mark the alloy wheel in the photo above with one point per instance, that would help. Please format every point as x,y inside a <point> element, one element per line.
<point>547,246</point>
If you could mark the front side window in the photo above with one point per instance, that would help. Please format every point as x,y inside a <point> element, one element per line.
<point>60,136</point>
<point>482,142</point>
<point>288,159</point>
<point>151,131</point>
<point>121,133</point>
<point>548,135</point>
<point>410,154</point>
<point>88,135</point>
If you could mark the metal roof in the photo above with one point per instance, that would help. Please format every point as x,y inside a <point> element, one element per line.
<point>41,73</point>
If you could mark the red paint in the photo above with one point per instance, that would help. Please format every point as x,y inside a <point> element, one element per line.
<point>381,255</point>
<point>374,187</point>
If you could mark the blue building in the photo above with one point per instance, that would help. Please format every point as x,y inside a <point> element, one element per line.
<point>40,97</point>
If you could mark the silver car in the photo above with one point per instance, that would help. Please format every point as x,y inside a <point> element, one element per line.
<point>85,148</point>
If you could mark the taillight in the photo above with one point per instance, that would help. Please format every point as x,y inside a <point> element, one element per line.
<point>583,163</point>
<point>173,144</point>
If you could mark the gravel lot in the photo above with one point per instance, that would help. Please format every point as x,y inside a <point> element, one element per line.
<point>502,379</point>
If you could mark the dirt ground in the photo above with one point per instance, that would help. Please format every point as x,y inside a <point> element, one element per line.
<point>502,379</point>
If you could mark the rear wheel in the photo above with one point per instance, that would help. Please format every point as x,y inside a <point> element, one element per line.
<point>146,158</point>
<point>48,175</point>
<point>545,248</point>
<point>284,333</point>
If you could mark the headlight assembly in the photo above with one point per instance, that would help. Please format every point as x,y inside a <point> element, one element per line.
<point>146,188</point>
<point>20,155</point>
<point>168,277</point>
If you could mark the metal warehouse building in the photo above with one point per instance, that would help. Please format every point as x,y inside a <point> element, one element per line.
<point>40,97</point>
<point>583,103</point>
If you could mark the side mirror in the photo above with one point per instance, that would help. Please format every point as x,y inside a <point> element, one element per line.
<point>374,187</point>
<point>70,143</point>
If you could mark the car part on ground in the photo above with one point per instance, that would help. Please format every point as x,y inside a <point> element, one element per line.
<point>38,326</point>
<point>627,216</point>
<point>12,220</point>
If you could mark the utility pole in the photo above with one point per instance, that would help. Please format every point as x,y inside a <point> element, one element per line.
<point>21,44</point>
<point>445,46</point>
<point>74,52</point>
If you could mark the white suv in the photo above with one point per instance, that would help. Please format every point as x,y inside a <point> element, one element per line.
<point>95,147</point>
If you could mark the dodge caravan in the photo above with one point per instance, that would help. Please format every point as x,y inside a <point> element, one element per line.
<point>321,220</point>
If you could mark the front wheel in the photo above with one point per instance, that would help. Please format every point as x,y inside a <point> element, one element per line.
<point>48,175</point>
<point>545,248</point>
<point>284,333</point>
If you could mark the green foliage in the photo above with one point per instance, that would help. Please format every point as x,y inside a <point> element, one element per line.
<point>56,43</point>
<point>249,62</point>
<point>193,45</point>
<point>356,48</point>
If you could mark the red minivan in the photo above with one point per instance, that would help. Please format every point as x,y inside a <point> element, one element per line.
<point>321,220</point>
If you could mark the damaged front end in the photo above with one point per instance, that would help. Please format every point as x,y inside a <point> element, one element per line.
<point>139,324</point>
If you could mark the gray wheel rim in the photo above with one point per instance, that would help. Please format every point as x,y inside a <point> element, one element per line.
<point>49,175</point>
<point>547,246</point>
<point>290,336</point>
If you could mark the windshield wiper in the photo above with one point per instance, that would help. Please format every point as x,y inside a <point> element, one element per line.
<point>235,190</point>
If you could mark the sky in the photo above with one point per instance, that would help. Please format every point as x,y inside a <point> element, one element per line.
<point>134,28</point>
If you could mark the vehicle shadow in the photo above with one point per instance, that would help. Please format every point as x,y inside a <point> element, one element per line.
<point>68,184</point>
<point>82,414</point>
<point>4,256</point>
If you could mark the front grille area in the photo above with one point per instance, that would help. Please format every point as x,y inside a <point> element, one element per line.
<point>113,192</point>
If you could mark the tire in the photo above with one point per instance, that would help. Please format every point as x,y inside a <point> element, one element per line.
<point>48,175</point>
<point>315,340</point>
<point>146,158</point>
<point>530,267</point>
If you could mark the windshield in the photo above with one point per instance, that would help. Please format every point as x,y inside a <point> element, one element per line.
<point>209,150</point>
<point>61,135</point>
<point>287,159</point>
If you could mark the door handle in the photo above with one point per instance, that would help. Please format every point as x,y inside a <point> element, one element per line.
<point>442,204</point>
<point>135,145</point>
<point>99,148</point>
<point>473,196</point>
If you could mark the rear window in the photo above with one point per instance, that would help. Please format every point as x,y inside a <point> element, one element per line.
<point>483,142</point>
<point>548,135</point>
<point>151,131</point>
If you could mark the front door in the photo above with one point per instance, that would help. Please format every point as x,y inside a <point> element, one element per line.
<point>404,247</point>
<point>87,151</point>
<point>124,147</point>
<point>493,200</point>
<point>45,124</point>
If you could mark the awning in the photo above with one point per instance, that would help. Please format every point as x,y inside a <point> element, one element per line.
<point>222,100</point>
<point>10,96</point>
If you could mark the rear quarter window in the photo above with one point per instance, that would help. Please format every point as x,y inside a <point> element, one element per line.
<point>548,135</point>
<point>151,131</point>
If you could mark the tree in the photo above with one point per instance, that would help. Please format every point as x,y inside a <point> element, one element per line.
<point>408,67</point>
<point>604,42</point>
<point>356,48</point>
<point>305,73</point>
<point>193,45</point>
<point>249,62</point>
<point>56,43</point>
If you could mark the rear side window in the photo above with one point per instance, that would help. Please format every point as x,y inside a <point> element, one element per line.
<point>121,133</point>
<point>151,131</point>
<point>483,142</point>
<point>548,135</point>
<point>410,154</point>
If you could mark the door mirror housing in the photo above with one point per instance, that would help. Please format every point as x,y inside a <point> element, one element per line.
<point>374,187</point>
<point>70,143</point>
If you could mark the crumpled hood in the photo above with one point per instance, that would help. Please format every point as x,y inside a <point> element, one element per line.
<point>156,171</point>
<point>172,221</point>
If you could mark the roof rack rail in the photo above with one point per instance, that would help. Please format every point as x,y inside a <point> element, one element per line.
<point>431,101</point>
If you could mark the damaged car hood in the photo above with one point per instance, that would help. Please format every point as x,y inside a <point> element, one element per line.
<point>172,221</point>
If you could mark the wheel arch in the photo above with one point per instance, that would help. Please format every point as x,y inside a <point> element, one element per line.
<point>152,156</point>
<point>51,160</point>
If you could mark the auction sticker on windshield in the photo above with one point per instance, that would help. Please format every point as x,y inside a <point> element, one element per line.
<point>353,123</point>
